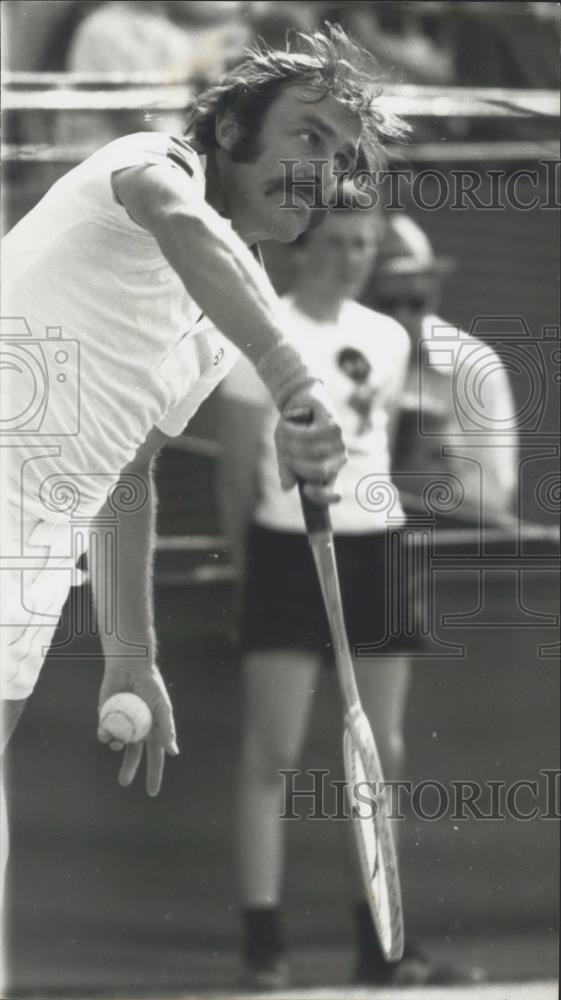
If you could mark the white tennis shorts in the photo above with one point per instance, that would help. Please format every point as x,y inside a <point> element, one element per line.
<point>37,569</point>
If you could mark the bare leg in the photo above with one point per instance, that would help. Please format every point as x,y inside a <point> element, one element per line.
<point>383,683</point>
<point>279,689</point>
<point>11,711</point>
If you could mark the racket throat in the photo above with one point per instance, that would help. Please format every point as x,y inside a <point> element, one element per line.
<point>323,551</point>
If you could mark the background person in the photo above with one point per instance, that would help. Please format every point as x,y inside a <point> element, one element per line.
<point>438,408</point>
<point>183,42</point>
<point>284,635</point>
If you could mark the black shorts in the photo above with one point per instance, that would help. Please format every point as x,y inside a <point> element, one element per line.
<point>282,606</point>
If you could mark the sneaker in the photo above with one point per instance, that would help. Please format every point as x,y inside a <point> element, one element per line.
<point>415,969</point>
<point>266,976</point>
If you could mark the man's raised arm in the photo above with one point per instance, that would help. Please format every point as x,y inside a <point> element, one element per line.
<point>225,280</point>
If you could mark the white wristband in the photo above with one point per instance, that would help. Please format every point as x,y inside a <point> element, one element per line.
<point>284,373</point>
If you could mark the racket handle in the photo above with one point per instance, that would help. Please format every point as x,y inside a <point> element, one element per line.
<point>316,516</point>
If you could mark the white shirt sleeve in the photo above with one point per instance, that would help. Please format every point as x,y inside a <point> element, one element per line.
<point>200,362</point>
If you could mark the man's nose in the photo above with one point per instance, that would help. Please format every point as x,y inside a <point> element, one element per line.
<point>330,178</point>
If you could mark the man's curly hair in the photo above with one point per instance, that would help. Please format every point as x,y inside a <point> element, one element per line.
<point>328,62</point>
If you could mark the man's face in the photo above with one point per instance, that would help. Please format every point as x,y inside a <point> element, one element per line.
<point>270,200</point>
<point>408,298</point>
<point>338,256</point>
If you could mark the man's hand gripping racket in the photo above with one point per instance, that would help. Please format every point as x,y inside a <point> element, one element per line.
<point>371,823</point>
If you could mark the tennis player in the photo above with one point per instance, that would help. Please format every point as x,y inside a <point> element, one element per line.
<point>107,278</point>
<point>363,359</point>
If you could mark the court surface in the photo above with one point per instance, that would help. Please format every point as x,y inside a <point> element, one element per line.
<point>497,991</point>
<point>525,991</point>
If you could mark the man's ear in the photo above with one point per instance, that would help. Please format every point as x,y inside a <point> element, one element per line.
<point>226,131</point>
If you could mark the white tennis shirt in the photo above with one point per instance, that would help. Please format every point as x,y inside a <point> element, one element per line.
<point>126,349</point>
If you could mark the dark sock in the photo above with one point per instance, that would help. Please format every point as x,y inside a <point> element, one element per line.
<point>263,937</point>
<point>369,953</point>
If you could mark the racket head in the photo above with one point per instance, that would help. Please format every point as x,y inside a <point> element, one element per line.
<point>375,842</point>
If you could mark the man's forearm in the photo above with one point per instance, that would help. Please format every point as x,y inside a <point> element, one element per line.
<point>223,277</point>
<point>121,560</point>
<point>218,271</point>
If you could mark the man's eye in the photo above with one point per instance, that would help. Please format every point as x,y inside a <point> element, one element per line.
<point>341,163</point>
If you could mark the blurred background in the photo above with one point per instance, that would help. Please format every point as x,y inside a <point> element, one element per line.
<point>109,891</point>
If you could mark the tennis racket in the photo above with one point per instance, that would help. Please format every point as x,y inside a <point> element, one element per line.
<point>363,772</point>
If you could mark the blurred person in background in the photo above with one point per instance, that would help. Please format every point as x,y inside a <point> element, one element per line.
<point>506,44</point>
<point>411,41</point>
<point>284,634</point>
<point>182,42</point>
<point>284,638</point>
<point>413,44</point>
<point>406,283</point>
<point>272,19</point>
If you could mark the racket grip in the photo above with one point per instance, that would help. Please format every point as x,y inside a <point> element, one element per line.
<point>316,516</point>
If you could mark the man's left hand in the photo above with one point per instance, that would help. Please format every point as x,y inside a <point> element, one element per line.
<point>148,684</point>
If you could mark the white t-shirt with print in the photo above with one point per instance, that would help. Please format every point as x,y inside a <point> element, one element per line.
<point>104,341</point>
<point>362,359</point>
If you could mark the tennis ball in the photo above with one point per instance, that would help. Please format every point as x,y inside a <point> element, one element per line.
<point>126,717</point>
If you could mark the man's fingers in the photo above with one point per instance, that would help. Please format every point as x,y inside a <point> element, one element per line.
<point>323,439</point>
<point>312,453</point>
<point>105,737</point>
<point>155,756</point>
<point>164,728</point>
<point>287,478</point>
<point>316,457</point>
<point>317,453</point>
<point>319,473</point>
<point>323,495</point>
<point>131,760</point>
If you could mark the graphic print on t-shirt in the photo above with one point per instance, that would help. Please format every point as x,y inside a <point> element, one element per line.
<point>357,367</point>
